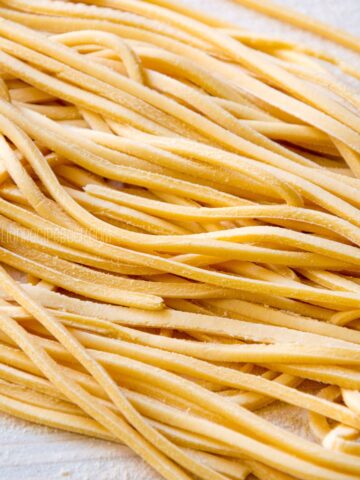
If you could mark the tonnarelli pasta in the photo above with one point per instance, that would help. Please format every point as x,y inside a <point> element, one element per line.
<point>180,236</point>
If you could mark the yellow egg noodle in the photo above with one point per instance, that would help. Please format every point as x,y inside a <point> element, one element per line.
<point>180,236</point>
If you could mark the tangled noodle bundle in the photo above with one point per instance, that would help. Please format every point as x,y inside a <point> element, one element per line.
<point>180,236</point>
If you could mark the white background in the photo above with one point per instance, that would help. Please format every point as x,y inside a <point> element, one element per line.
<point>30,452</point>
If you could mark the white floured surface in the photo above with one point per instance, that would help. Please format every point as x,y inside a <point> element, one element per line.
<point>31,452</point>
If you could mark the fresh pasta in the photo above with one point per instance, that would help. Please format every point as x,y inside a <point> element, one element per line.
<point>180,236</point>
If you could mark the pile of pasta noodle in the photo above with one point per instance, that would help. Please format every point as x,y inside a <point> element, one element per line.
<point>179,237</point>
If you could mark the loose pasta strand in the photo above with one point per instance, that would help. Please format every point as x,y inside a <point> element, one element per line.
<point>268,7</point>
